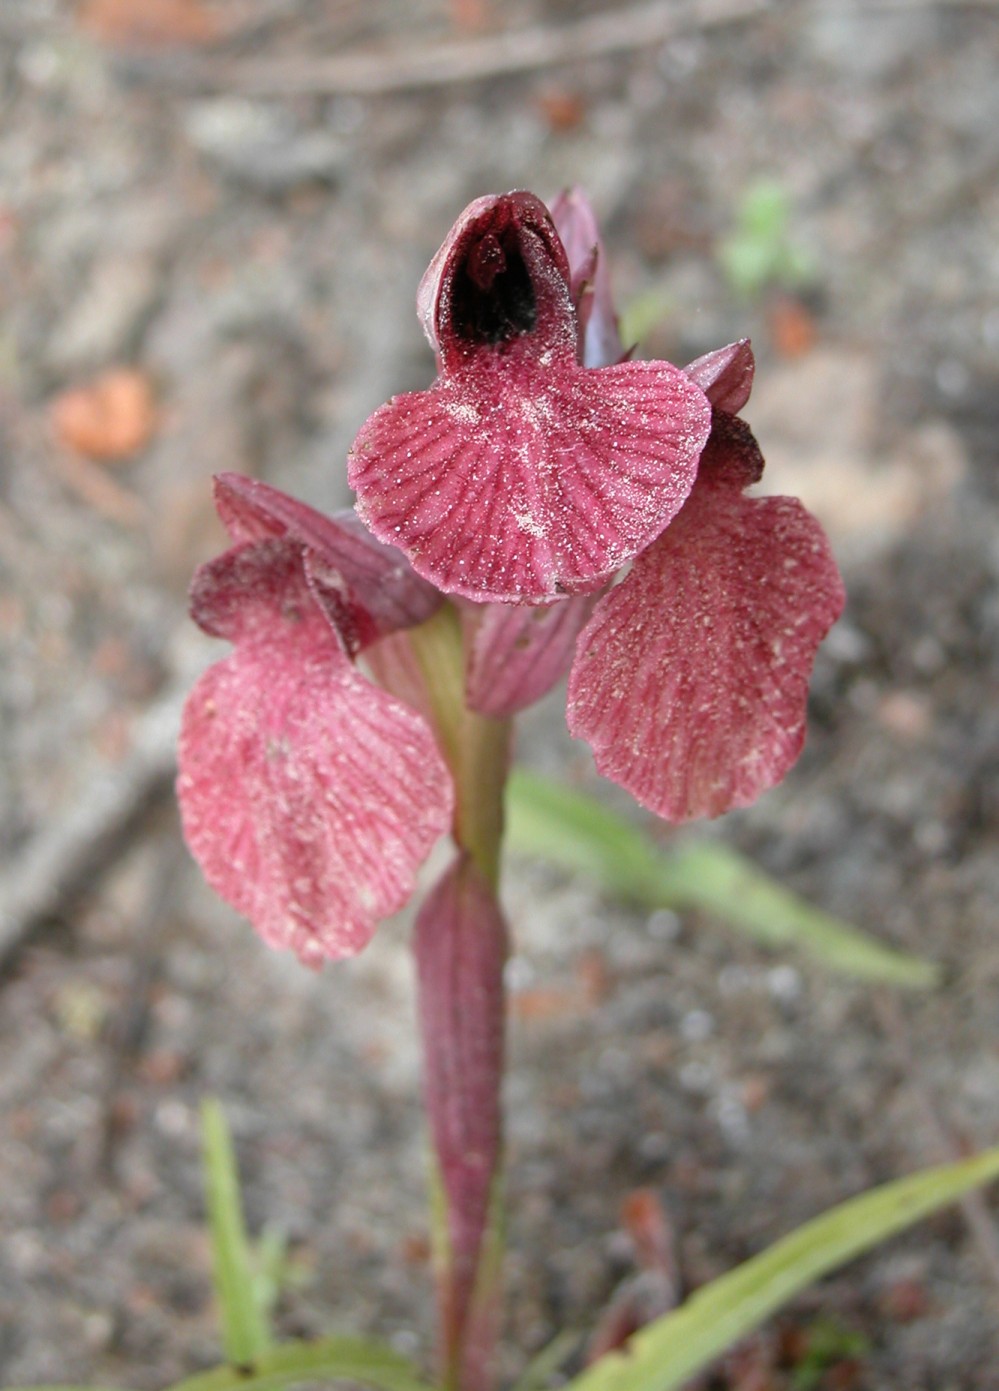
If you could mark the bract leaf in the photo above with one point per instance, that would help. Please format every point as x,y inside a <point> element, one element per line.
<point>577,832</point>
<point>664,1354</point>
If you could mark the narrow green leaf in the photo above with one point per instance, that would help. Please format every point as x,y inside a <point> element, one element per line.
<point>575,831</point>
<point>543,1366</point>
<point>714,877</point>
<point>244,1327</point>
<point>328,1359</point>
<point>666,1353</point>
<point>549,820</point>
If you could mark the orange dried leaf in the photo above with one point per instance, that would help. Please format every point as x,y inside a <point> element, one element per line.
<point>112,418</point>
<point>153,23</point>
<point>792,327</point>
<point>470,15</point>
<point>562,109</point>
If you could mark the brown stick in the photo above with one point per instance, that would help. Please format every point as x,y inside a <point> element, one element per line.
<point>64,857</point>
<point>470,60</point>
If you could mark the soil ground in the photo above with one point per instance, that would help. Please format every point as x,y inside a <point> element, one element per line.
<point>177,198</point>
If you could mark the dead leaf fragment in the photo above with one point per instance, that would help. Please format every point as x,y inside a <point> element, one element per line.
<point>561,108</point>
<point>152,23</point>
<point>112,418</point>
<point>792,327</point>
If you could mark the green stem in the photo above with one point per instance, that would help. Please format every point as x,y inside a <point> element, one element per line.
<point>476,747</point>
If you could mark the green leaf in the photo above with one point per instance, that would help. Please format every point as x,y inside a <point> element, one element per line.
<point>643,313</point>
<point>748,264</point>
<point>575,831</point>
<point>554,822</point>
<point>664,1354</point>
<point>764,211</point>
<point>544,1364</point>
<point>329,1359</point>
<point>244,1327</point>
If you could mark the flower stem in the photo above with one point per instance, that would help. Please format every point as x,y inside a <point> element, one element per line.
<point>476,747</point>
<point>461,948</point>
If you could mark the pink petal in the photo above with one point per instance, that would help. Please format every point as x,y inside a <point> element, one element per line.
<point>517,480</point>
<point>367,589</point>
<point>576,224</point>
<point>691,680</point>
<point>461,946</point>
<point>395,666</point>
<point>309,797</point>
<point>250,589</point>
<point>725,375</point>
<point>517,652</point>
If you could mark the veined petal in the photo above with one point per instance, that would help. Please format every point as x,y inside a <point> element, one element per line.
<point>517,480</point>
<point>520,476</point>
<point>395,666</point>
<point>691,680</point>
<point>309,797</point>
<point>518,652</point>
<point>367,589</point>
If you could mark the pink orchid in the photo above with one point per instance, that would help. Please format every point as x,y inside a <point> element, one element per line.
<point>588,515</point>
<point>521,475</point>
<point>309,796</point>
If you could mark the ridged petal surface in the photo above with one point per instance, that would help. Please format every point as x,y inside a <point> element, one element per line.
<point>308,796</point>
<point>517,652</point>
<point>691,680</point>
<point>519,480</point>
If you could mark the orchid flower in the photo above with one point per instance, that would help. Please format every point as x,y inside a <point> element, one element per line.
<point>540,463</point>
<point>586,514</point>
<point>522,475</point>
<point>309,796</point>
<point>546,507</point>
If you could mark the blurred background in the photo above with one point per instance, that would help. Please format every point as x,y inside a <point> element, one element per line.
<point>213,218</point>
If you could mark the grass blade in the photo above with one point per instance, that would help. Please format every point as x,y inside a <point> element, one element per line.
<point>577,832</point>
<point>666,1353</point>
<point>328,1359</point>
<point>244,1328</point>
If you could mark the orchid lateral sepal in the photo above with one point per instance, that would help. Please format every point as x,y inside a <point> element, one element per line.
<point>696,706</point>
<point>298,778</point>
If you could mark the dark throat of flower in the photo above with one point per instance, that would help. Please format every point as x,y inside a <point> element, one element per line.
<point>493,298</point>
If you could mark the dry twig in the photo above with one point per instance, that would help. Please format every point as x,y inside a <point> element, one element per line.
<point>620,30</point>
<point>64,857</point>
